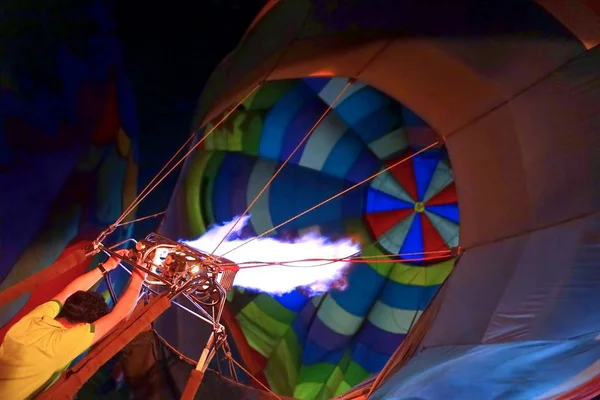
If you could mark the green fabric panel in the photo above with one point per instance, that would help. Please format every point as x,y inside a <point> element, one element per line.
<point>252,133</point>
<point>337,376</point>
<point>91,160</point>
<point>191,187</point>
<point>282,369</point>
<point>315,373</point>
<point>269,94</point>
<point>308,390</point>
<point>421,276</point>
<point>356,229</point>
<point>274,309</point>
<point>342,388</point>
<point>355,374</point>
<point>261,331</point>
<point>382,268</point>
<point>210,174</point>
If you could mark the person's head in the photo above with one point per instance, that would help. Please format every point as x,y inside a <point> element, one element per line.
<point>82,307</point>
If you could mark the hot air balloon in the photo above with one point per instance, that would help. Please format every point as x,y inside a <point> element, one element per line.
<point>363,132</point>
<point>512,93</point>
<point>68,132</point>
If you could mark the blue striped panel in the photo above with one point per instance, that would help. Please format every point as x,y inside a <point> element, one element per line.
<point>239,183</point>
<point>325,338</point>
<point>424,167</point>
<point>370,360</point>
<point>316,84</point>
<point>365,165</point>
<point>360,104</point>
<point>413,243</point>
<point>378,201</point>
<point>314,354</point>
<point>364,285</point>
<point>300,126</point>
<point>294,301</point>
<point>277,120</point>
<point>378,340</point>
<point>379,123</point>
<point>297,189</point>
<point>407,297</point>
<point>303,320</point>
<point>222,186</point>
<point>343,155</point>
<point>448,211</point>
<point>353,202</point>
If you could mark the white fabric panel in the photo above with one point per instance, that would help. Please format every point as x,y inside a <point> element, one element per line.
<point>555,291</point>
<point>520,371</point>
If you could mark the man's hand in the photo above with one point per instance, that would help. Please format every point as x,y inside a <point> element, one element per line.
<point>113,262</point>
<point>138,273</point>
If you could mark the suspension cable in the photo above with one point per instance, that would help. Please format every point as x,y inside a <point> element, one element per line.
<point>437,142</point>
<point>310,131</point>
<point>190,151</point>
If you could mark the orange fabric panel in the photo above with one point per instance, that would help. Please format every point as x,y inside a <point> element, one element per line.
<point>69,259</point>
<point>493,200</point>
<point>582,17</point>
<point>52,286</point>
<point>340,55</point>
<point>439,88</point>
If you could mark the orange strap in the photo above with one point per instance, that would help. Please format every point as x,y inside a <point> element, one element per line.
<point>72,380</point>
<point>33,282</point>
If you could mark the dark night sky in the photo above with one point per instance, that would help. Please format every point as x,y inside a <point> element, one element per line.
<point>170,51</point>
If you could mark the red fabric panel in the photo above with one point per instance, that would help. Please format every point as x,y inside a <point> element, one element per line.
<point>105,131</point>
<point>252,359</point>
<point>381,222</point>
<point>446,196</point>
<point>432,241</point>
<point>405,174</point>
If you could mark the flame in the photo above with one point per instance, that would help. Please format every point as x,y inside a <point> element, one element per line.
<point>287,272</point>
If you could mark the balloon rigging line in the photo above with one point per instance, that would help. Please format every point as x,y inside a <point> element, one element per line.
<point>328,261</point>
<point>142,218</point>
<point>437,142</point>
<point>137,200</point>
<point>149,188</point>
<point>304,139</point>
<point>350,82</point>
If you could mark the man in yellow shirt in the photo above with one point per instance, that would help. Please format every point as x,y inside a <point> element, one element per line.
<point>40,346</point>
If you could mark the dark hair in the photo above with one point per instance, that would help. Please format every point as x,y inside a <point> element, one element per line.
<point>83,307</point>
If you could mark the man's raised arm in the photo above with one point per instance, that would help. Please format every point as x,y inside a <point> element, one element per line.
<point>122,309</point>
<point>89,279</point>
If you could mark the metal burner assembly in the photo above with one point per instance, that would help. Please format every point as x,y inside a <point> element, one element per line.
<point>175,269</point>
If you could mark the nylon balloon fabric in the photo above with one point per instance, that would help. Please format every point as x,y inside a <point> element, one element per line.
<point>317,347</point>
<point>68,142</point>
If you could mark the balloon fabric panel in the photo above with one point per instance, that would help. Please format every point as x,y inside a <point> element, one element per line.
<point>318,347</point>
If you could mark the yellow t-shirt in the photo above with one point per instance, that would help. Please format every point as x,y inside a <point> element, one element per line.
<point>37,349</point>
